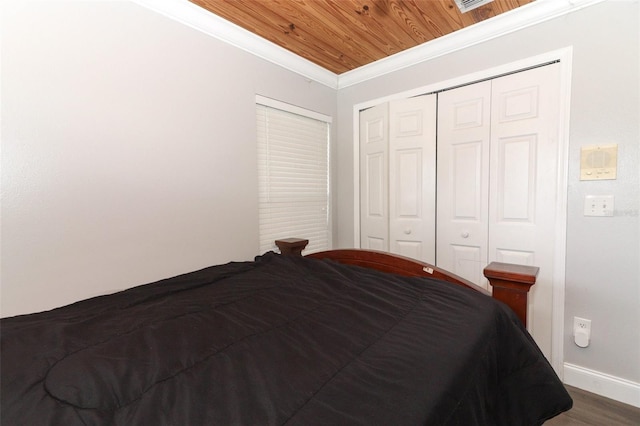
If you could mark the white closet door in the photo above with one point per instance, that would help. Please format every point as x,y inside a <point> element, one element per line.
<point>463,180</point>
<point>412,177</point>
<point>374,178</point>
<point>497,181</point>
<point>523,183</point>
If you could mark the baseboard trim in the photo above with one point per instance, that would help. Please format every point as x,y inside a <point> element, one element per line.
<point>602,384</point>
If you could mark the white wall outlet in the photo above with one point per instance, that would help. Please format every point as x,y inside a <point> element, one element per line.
<point>581,331</point>
<point>598,205</point>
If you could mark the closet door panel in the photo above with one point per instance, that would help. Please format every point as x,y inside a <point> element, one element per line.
<point>515,256</point>
<point>463,180</point>
<point>467,258</point>
<point>374,176</point>
<point>412,163</point>
<point>466,181</point>
<point>408,184</point>
<point>522,215</point>
<point>516,177</point>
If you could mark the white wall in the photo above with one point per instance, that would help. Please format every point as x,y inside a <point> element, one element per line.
<point>603,254</point>
<point>128,149</point>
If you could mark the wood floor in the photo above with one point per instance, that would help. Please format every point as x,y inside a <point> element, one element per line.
<point>594,410</point>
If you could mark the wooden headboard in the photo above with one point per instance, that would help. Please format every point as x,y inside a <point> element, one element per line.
<point>510,283</point>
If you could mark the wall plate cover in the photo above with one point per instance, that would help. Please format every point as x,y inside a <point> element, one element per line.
<point>598,205</point>
<point>598,162</point>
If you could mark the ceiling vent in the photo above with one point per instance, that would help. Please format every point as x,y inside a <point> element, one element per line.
<point>467,5</point>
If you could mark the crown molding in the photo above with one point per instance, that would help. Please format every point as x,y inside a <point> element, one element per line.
<point>200,19</point>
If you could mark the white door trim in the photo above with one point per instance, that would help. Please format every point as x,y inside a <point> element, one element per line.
<point>565,56</point>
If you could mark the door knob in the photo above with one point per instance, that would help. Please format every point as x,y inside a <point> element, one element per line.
<point>464,234</point>
<point>407,231</point>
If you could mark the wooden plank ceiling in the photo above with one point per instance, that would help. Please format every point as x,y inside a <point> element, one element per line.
<point>341,35</point>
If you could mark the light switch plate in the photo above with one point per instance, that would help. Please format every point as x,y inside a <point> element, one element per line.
<point>599,162</point>
<point>598,205</point>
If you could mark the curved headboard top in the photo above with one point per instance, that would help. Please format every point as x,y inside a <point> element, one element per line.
<point>510,283</point>
<point>393,263</point>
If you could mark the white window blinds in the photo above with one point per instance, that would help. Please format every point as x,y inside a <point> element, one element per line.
<point>293,172</point>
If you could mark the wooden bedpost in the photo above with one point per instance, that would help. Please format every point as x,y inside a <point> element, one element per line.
<point>511,283</point>
<point>292,246</point>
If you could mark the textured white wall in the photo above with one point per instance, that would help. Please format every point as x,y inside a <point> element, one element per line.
<point>603,254</point>
<point>128,149</point>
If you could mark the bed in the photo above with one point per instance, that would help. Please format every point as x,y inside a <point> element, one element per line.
<point>345,337</point>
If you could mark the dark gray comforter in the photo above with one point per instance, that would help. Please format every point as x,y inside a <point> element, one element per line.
<point>281,340</point>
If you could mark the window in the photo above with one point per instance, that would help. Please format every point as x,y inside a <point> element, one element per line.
<point>293,173</point>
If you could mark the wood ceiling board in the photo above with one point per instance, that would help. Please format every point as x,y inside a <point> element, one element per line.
<point>310,38</point>
<point>348,47</point>
<point>342,35</point>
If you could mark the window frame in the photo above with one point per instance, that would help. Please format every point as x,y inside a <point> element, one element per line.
<point>267,243</point>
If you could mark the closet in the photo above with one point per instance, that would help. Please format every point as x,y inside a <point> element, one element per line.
<point>481,175</point>
<point>398,177</point>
